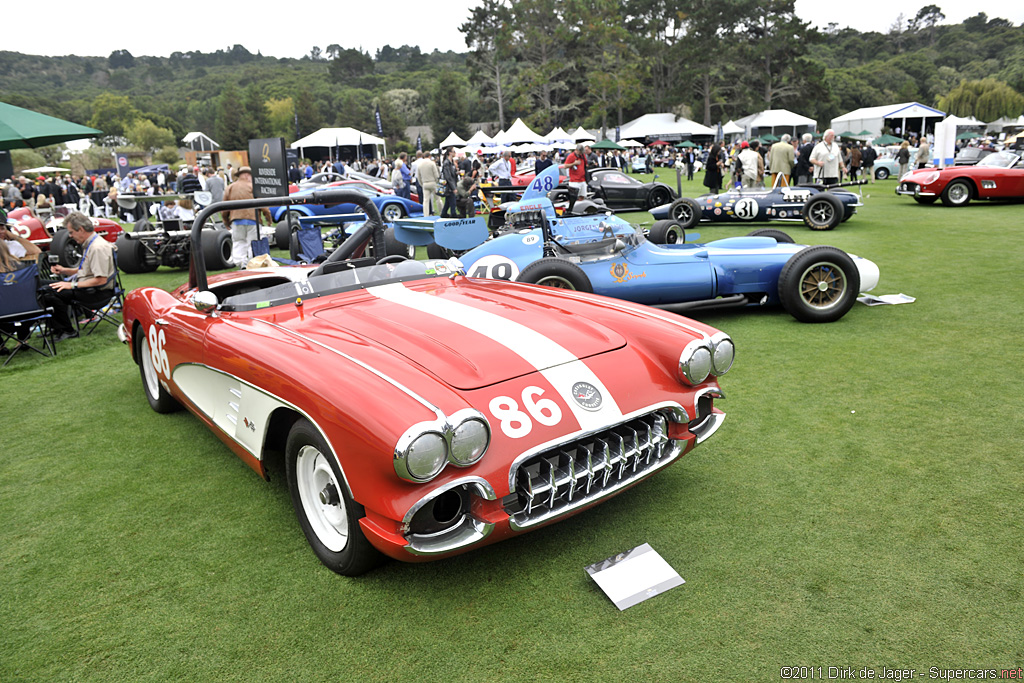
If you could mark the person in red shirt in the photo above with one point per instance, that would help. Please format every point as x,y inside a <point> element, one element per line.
<point>576,162</point>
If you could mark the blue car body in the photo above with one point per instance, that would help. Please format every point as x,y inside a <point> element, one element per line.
<point>387,204</point>
<point>620,262</point>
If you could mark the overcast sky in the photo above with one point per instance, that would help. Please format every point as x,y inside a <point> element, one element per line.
<point>290,29</point>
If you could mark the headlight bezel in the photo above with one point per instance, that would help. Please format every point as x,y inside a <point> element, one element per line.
<point>724,343</point>
<point>692,359</point>
<point>444,428</point>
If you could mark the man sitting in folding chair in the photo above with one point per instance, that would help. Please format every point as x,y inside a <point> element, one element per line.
<point>91,284</point>
<point>20,311</point>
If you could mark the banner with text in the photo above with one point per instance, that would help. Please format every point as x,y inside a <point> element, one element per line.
<point>267,159</point>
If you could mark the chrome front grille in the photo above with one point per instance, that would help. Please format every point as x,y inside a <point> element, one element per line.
<point>574,474</point>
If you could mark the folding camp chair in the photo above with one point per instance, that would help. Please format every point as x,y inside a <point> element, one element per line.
<point>20,313</point>
<point>94,314</point>
<point>307,243</point>
<point>262,246</point>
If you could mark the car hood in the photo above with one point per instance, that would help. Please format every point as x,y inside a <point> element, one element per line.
<point>465,336</point>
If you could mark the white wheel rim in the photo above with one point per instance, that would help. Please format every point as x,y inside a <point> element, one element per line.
<point>821,213</point>
<point>329,521</point>
<point>392,212</point>
<point>958,192</point>
<point>148,371</point>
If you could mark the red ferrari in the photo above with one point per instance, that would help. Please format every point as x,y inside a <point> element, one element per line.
<point>997,176</point>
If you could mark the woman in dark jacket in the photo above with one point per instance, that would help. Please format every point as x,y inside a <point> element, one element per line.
<point>713,169</point>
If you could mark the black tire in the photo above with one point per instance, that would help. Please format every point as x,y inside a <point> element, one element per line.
<point>283,233</point>
<point>667,232</point>
<point>67,250</point>
<point>217,249</point>
<point>133,257</point>
<point>957,193</point>
<point>393,247</point>
<point>328,516</point>
<point>819,284</point>
<point>436,251</point>
<point>926,200</point>
<point>293,246</point>
<point>780,236</point>
<point>658,197</point>
<point>686,212</point>
<point>392,212</point>
<point>823,211</point>
<point>881,173</point>
<point>159,399</point>
<point>558,273</point>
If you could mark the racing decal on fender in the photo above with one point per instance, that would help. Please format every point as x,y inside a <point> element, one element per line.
<point>587,395</point>
<point>621,273</point>
<point>19,230</point>
<point>554,362</point>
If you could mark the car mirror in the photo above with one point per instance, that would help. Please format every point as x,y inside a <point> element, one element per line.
<point>618,246</point>
<point>205,301</point>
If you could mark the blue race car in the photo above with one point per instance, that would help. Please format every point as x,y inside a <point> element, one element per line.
<point>391,206</point>
<point>820,208</point>
<point>606,255</point>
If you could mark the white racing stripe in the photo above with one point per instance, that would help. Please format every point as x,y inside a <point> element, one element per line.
<point>558,366</point>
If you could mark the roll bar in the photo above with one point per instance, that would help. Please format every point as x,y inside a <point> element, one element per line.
<point>197,264</point>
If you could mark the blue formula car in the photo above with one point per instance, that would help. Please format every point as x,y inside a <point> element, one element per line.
<point>606,255</point>
<point>819,207</point>
<point>391,206</point>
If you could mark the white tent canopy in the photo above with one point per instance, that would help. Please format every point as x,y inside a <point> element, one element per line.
<point>730,128</point>
<point>666,126</point>
<point>775,118</point>
<point>518,132</point>
<point>964,122</point>
<point>479,138</point>
<point>337,137</point>
<point>1006,122</point>
<point>452,140</point>
<point>558,135</point>
<point>873,119</point>
<point>580,135</point>
<point>200,142</point>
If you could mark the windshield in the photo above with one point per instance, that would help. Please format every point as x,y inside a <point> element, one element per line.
<point>616,178</point>
<point>1000,160</point>
<point>347,276</point>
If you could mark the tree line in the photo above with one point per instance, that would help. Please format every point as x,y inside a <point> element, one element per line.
<point>597,63</point>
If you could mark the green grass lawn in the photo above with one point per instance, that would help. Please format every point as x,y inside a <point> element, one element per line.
<point>860,507</point>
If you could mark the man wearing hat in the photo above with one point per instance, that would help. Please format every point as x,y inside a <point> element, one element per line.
<point>243,223</point>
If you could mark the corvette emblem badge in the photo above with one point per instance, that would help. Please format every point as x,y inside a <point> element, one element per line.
<point>586,395</point>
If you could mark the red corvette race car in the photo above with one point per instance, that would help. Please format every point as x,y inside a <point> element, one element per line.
<point>420,413</point>
<point>28,225</point>
<point>997,176</point>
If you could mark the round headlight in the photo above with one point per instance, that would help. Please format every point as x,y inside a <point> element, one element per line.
<point>469,441</point>
<point>723,355</point>
<point>425,456</point>
<point>695,363</point>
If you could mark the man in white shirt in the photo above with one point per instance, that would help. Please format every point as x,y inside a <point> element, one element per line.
<point>828,158</point>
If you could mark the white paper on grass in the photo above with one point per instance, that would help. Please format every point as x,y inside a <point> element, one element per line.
<point>634,576</point>
<point>879,300</point>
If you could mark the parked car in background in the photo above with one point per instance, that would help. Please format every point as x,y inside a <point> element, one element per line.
<point>969,156</point>
<point>621,191</point>
<point>999,175</point>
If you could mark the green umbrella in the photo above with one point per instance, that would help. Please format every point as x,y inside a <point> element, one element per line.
<point>865,133</point>
<point>967,135</point>
<point>606,144</point>
<point>25,128</point>
<point>686,143</point>
<point>768,137</point>
<point>887,140</point>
